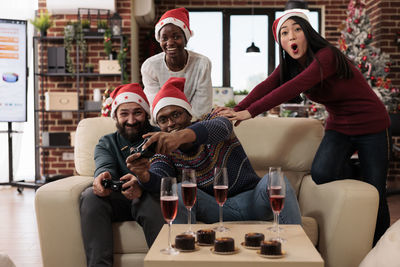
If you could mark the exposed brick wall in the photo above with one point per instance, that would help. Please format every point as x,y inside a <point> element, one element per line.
<point>51,158</point>
<point>384,16</point>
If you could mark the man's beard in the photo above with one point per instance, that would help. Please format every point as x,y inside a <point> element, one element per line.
<point>136,134</point>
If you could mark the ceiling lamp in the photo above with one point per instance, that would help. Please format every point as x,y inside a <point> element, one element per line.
<point>252,48</point>
<point>300,4</point>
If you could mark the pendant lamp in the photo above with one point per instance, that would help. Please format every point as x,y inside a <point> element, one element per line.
<point>252,48</point>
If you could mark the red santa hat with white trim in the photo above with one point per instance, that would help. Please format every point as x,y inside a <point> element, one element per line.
<point>296,12</point>
<point>179,17</point>
<point>171,93</point>
<point>126,93</point>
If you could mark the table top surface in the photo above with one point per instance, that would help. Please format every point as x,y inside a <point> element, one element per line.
<point>299,251</point>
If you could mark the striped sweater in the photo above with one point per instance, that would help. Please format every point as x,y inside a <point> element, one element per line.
<point>216,145</point>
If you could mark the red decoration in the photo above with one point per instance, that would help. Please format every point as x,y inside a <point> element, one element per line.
<point>360,66</point>
<point>387,69</point>
<point>372,78</point>
<point>356,21</point>
<point>362,46</point>
<point>374,54</point>
<point>364,58</point>
<point>369,36</point>
<point>349,30</point>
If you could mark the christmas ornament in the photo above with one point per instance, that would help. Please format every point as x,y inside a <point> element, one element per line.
<point>364,58</point>
<point>362,46</point>
<point>356,21</point>
<point>369,36</point>
<point>349,30</point>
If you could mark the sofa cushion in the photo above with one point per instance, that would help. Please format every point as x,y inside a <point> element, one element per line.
<point>293,152</point>
<point>386,251</point>
<point>129,238</point>
<point>88,133</point>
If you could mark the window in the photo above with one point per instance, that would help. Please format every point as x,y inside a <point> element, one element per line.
<point>207,40</point>
<point>224,35</point>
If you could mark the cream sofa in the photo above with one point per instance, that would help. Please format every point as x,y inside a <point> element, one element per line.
<point>338,217</point>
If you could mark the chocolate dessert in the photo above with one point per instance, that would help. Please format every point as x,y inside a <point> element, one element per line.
<point>206,237</point>
<point>184,242</point>
<point>253,239</point>
<point>271,247</point>
<point>224,244</point>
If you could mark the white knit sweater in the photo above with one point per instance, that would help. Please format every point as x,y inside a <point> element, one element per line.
<point>198,86</point>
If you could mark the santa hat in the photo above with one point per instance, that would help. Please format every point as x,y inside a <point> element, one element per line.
<point>171,93</point>
<point>179,17</point>
<point>127,93</point>
<point>286,15</point>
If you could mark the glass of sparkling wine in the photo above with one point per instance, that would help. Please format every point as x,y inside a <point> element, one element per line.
<point>189,193</point>
<point>220,193</point>
<point>277,193</point>
<point>169,208</point>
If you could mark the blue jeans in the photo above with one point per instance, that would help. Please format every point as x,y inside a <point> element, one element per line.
<point>332,162</point>
<point>250,205</point>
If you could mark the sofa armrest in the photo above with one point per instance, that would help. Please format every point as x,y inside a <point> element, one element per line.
<point>58,220</point>
<point>346,213</point>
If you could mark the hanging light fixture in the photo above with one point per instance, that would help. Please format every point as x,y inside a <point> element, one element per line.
<point>299,4</point>
<point>252,48</point>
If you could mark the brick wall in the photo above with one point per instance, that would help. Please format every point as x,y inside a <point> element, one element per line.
<point>384,16</point>
<point>51,161</point>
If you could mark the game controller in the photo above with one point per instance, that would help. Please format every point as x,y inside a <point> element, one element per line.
<point>113,185</point>
<point>146,153</point>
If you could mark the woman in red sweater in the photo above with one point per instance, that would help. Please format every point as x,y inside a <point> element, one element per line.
<point>357,121</point>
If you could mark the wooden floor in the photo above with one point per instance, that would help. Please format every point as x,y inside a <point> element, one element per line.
<point>18,229</point>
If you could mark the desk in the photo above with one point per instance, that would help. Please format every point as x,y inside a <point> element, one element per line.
<point>300,252</point>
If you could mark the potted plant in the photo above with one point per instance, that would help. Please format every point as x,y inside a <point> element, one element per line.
<point>85,25</point>
<point>240,95</point>
<point>42,23</point>
<point>102,26</point>
<point>230,104</point>
<point>89,67</point>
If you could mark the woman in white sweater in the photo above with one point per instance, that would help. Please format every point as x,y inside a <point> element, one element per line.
<point>172,32</point>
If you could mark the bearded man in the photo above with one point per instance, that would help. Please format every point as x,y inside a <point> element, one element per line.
<point>101,206</point>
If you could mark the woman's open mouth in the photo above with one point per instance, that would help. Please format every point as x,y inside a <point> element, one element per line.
<point>294,48</point>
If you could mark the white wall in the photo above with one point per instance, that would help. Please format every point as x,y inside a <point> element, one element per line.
<point>23,143</point>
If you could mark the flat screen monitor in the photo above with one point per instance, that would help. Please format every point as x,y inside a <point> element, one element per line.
<point>13,70</point>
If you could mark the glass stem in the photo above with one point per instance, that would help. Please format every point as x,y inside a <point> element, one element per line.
<point>190,218</point>
<point>275,221</point>
<point>220,216</point>
<point>277,224</point>
<point>169,236</point>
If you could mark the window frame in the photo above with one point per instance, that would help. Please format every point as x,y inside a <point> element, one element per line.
<point>226,13</point>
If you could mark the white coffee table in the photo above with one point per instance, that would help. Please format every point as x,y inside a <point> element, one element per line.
<point>300,252</point>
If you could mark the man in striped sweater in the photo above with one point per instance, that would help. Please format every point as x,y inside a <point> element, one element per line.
<point>202,146</point>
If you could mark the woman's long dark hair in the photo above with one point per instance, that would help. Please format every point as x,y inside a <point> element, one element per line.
<point>289,67</point>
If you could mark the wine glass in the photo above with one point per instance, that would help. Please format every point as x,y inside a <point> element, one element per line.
<point>220,193</point>
<point>169,208</point>
<point>189,193</point>
<point>276,192</point>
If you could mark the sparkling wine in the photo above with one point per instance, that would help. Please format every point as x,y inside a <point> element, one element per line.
<point>189,193</point>
<point>221,193</point>
<point>275,190</point>
<point>169,207</point>
<point>277,202</point>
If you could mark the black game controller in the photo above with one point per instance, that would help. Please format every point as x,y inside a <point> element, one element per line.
<point>113,185</point>
<point>148,152</point>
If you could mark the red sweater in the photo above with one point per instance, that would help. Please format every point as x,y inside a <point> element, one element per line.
<point>352,105</point>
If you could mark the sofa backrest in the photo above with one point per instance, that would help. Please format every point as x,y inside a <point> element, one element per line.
<point>88,133</point>
<point>287,142</point>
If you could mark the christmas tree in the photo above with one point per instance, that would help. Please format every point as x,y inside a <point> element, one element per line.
<point>355,43</point>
